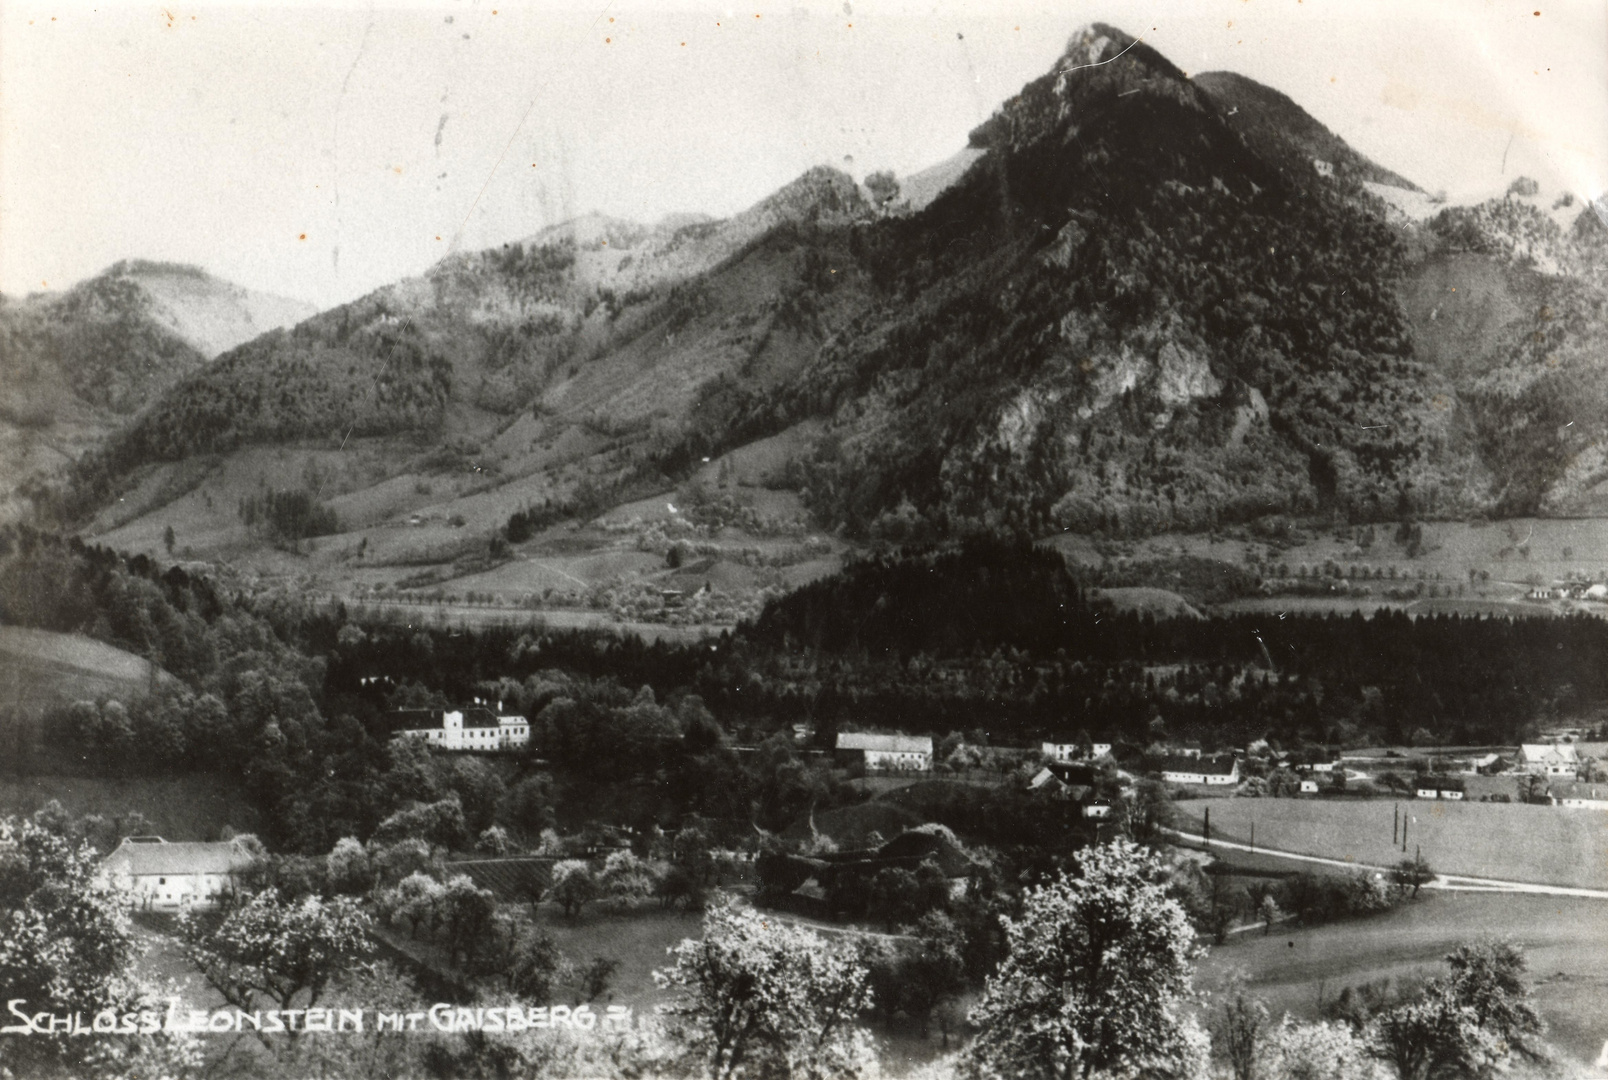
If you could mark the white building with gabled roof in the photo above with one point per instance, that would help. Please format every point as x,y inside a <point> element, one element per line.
<point>1550,759</point>
<point>896,753</point>
<point>474,728</point>
<point>156,873</point>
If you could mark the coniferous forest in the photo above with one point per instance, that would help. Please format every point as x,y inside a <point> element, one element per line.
<point>995,640</point>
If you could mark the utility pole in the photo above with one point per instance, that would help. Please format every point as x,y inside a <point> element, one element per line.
<point>1208,826</point>
<point>1253,836</point>
<point>1395,824</point>
<point>1404,820</point>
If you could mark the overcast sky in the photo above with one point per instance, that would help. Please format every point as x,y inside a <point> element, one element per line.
<point>319,151</point>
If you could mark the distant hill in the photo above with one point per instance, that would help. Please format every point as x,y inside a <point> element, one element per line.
<point>597,323</point>
<point>74,364</point>
<point>123,336</point>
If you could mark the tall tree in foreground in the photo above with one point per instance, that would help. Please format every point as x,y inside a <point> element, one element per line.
<point>1466,1024</point>
<point>66,947</point>
<point>1239,1026</point>
<point>767,1000</point>
<point>267,947</point>
<point>1096,978</point>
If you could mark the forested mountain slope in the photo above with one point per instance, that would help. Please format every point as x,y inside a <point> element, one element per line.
<point>1139,302</point>
<point>75,364</point>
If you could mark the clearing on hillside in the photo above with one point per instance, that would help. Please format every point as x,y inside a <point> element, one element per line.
<point>41,667</point>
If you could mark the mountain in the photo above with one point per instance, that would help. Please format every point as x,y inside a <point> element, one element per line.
<point>597,323</point>
<point>73,363</point>
<point>1137,302</point>
<point>1158,303</point>
<point>1125,315</point>
<point>1279,130</point>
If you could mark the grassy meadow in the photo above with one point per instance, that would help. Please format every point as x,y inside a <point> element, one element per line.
<point>1296,969</point>
<point>39,668</point>
<point>1513,842</point>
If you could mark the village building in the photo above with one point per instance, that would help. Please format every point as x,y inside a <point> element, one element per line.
<point>474,728</point>
<point>162,875</point>
<point>1439,787</point>
<point>1309,787</point>
<point>1194,769</point>
<point>1580,796</point>
<point>1550,759</point>
<point>1072,783</point>
<point>1073,751</point>
<point>885,753</point>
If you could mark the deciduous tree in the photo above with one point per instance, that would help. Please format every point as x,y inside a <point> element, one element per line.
<point>769,999</point>
<point>276,949</point>
<point>66,947</point>
<point>574,886</point>
<point>1098,970</point>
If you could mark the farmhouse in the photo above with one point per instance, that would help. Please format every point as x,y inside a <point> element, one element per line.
<point>1439,787</point>
<point>158,874</point>
<point>1581,796</point>
<point>474,728</point>
<point>1194,769</point>
<point>1550,759</point>
<point>1073,751</point>
<point>1309,787</point>
<point>885,753</point>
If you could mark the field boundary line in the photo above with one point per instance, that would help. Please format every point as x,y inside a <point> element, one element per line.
<point>1444,882</point>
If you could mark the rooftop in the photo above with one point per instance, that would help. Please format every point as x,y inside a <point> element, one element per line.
<point>144,855</point>
<point>1550,752</point>
<point>1221,765</point>
<point>888,744</point>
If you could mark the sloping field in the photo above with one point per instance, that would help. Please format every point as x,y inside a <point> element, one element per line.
<point>41,667</point>
<point>1511,842</point>
<point>1565,941</point>
<point>193,807</point>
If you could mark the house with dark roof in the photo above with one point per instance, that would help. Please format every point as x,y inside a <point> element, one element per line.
<point>1431,786</point>
<point>885,753</point>
<point>811,880</point>
<point>158,874</point>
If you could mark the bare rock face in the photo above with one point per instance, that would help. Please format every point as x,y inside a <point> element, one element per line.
<point>1183,376</point>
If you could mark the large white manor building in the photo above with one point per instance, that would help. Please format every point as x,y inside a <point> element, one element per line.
<point>474,728</point>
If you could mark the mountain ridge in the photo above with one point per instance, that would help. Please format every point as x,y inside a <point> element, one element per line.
<point>1138,302</point>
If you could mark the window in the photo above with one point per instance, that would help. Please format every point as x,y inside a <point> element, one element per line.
<point>161,881</point>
